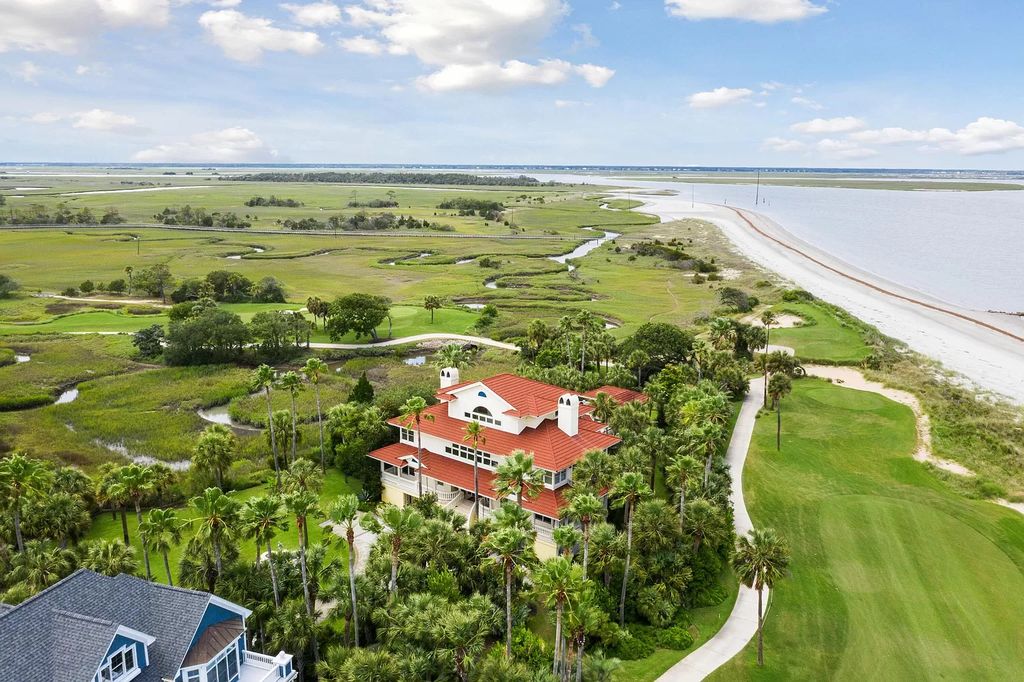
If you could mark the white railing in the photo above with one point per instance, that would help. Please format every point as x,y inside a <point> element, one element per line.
<point>445,496</point>
<point>272,664</point>
<point>406,484</point>
<point>262,660</point>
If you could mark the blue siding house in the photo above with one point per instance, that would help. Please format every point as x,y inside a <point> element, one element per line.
<point>93,628</point>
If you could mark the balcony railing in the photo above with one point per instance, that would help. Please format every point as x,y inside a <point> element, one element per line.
<point>270,666</point>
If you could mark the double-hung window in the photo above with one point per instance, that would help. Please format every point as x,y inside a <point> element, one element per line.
<point>120,664</point>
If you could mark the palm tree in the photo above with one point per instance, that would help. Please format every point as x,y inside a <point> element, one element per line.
<point>452,355</point>
<point>109,558</point>
<point>345,513</point>
<point>261,518</point>
<point>313,368</point>
<point>557,582</point>
<point>475,434</point>
<point>281,420</point>
<point>517,476</point>
<point>159,533</point>
<point>215,451</point>
<point>583,617</point>
<point>722,332</point>
<point>778,388</point>
<point>303,475</point>
<point>399,524</point>
<point>567,537</point>
<point>510,548</point>
<point>604,407</point>
<point>104,495</point>
<point>760,560</point>
<point>303,504</point>
<point>129,270</point>
<point>680,472</point>
<point>433,303</point>
<point>768,318</point>
<point>628,489</point>
<point>601,669</point>
<point>292,629</point>
<point>21,476</point>
<point>135,482</point>
<point>414,412</point>
<point>263,379</point>
<point>638,359</point>
<point>585,508</point>
<point>291,382</point>
<point>40,565</point>
<point>704,522</point>
<point>62,516</point>
<point>217,516</point>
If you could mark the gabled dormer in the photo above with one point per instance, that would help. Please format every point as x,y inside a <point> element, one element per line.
<point>126,657</point>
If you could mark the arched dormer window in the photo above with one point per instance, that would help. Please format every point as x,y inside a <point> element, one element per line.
<point>483,415</point>
<point>482,410</point>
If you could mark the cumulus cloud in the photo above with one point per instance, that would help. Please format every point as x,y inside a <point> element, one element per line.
<point>585,37</point>
<point>829,126</point>
<point>26,71</point>
<point>245,39</point>
<point>470,41</point>
<point>807,102</point>
<point>781,144</point>
<point>844,149</point>
<point>492,76</point>
<point>984,136</point>
<point>63,25</point>
<point>101,120</point>
<point>761,11</point>
<point>719,97</point>
<point>314,14</point>
<point>570,103</point>
<point>362,45</point>
<point>230,145</point>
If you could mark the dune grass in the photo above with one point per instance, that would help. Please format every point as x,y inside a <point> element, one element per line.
<point>894,575</point>
<point>108,527</point>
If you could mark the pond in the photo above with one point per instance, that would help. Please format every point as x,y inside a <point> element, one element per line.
<point>416,361</point>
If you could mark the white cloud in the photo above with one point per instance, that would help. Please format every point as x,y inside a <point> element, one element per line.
<point>986,135</point>
<point>362,45</point>
<point>245,38</point>
<point>829,126</point>
<point>570,104</point>
<point>586,37</point>
<point>230,145</point>
<point>844,149</point>
<point>616,5</point>
<point>63,25</point>
<point>314,14</point>
<point>807,102</point>
<point>492,76</point>
<point>781,144</point>
<point>473,44</point>
<point>45,117</point>
<point>26,71</point>
<point>105,121</point>
<point>719,97</point>
<point>761,11</point>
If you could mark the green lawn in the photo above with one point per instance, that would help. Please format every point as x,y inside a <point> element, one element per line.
<point>894,575</point>
<point>106,527</point>
<point>823,336</point>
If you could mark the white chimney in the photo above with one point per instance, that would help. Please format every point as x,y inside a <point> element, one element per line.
<point>449,376</point>
<point>569,414</point>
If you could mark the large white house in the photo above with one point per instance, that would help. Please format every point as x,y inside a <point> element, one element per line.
<point>551,423</point>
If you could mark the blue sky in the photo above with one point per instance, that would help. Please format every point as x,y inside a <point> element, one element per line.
<point>672,82</point>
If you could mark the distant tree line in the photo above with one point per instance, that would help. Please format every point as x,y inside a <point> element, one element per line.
<point>394,178</point>
<point>187,215</point>
<point>374,203</point>
<point>364,221</point>
<point>273,201</point>
<point>491,210</point>
<point>37,214</point>
<point>674,254</point>
<point>228,287</point>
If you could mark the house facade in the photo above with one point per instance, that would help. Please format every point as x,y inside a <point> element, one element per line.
<point>552,424</point>
<point>92,628</point>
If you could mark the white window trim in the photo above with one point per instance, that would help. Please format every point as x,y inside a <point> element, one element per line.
<point>127,675</point>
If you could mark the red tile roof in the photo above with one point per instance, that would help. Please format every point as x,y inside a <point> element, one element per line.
<point>552,449</point>
<point>528,397</point>
<point>619,395</point>
<point>392,454</point>
<point>548,502</point>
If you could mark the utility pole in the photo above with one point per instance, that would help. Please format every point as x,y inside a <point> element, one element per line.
<point>693,194</point>
<point>757,194</point>
<point>138,244</point>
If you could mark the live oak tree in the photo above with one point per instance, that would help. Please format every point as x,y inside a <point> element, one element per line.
<point>358,313</point>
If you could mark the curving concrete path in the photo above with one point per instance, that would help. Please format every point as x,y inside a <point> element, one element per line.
<point>741,626</point>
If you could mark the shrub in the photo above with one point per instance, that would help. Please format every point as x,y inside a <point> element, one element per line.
<point>143,310</point>
<point>712,596</point>
<point>70,291</point>
<point>117,286</point>
<point>528,648</point>
<point>7,286</point>
<point>676,638</point>
<point>638,642</point>
<point>698,279</point>
<point>797,296</point>
<point>87,286</point>
<point>7,357</point>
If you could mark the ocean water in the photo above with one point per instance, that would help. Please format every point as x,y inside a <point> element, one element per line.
<point>962,247</point>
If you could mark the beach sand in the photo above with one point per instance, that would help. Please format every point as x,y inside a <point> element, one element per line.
<point>986,348</point>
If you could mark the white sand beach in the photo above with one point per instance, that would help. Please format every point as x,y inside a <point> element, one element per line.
<point>986,348</point>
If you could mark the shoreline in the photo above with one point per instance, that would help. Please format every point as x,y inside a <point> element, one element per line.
<point>985,348</point>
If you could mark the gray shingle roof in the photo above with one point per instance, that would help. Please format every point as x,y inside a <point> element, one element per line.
<point>61,634</point>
